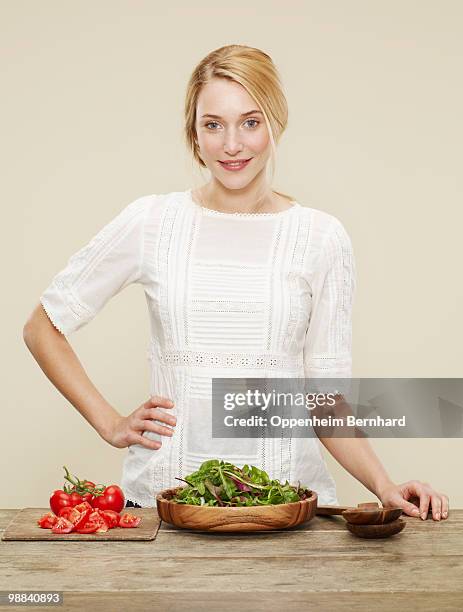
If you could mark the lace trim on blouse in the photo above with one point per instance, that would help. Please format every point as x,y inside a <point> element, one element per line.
<point>244,215</point>
<point>209,359</point>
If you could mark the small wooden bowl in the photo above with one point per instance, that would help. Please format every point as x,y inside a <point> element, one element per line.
<point>384,530</point>
<point>234,518</point>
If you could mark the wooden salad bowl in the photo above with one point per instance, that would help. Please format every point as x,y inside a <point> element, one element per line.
<point>234,518</point>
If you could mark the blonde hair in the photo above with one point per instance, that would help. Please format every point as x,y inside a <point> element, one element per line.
<point>256,72</point>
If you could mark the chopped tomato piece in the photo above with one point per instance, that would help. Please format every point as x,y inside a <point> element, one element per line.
<point>77,515</point>
<point>95,517</point>
<point>88,527</point>
<point>82,518</point>
<point>129,520</point>
<point>47,520</point>
<point>66,511</point>
<point>62,525</point>
<point>103,527</point>
<point>85,505</point>
<point>111,517</point>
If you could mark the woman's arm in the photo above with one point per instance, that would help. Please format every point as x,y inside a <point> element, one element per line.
<point>62,367</point>
<point>358,457</point>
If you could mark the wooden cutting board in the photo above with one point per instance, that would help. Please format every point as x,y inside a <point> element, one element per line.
<point>24,526</point>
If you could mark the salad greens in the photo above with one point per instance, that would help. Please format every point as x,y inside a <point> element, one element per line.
<point>219,483</point>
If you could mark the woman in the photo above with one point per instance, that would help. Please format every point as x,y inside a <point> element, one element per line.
<point>240,280</point>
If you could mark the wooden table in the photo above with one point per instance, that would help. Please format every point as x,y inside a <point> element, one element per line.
<point>319,565</point>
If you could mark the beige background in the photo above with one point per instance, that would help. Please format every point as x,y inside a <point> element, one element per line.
<point>93,98</point>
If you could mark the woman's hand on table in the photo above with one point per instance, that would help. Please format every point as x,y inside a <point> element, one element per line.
<point>414,497</point>
<point>127,430</point>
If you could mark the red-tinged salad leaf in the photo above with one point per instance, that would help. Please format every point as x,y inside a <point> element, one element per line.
<point>220,483</point>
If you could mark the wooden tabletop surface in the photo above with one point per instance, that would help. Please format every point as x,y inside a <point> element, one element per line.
<point>319,565</point>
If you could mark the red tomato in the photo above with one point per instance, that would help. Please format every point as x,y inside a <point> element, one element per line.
<point>88,497</point>
<point>85,496</point>
<point>47,520</point>
<point>89,484</point>
<point>76,498</point>
<point>111,517</point>
<point>59,499</point>
<point>129,520</point>
<point>62,525</point>
<point>112,498</point>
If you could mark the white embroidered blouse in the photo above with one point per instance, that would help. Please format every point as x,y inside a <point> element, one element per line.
<point>257,295</point>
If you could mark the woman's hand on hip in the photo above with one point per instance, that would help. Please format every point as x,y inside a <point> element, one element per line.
<point>414,498</point>
<point>128,430</point>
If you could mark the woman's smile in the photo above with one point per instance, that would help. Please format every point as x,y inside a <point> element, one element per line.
<point>234,165</point>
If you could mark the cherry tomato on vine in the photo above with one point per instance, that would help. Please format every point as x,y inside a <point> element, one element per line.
<point>112,498</point>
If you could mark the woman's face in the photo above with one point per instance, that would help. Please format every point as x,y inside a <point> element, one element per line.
<point>227,130</point>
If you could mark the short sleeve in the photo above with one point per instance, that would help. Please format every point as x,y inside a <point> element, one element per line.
<point>110,261</point>
<point>328,341</point>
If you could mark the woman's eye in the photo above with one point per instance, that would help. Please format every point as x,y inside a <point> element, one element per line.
<point>255,121</point>
<point>211,123</point>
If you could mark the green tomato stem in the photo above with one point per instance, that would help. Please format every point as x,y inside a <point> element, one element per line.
<point>80,486</point>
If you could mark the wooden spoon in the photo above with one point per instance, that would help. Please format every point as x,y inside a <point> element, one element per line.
<point>331,510</point>
<point>369,513</point>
